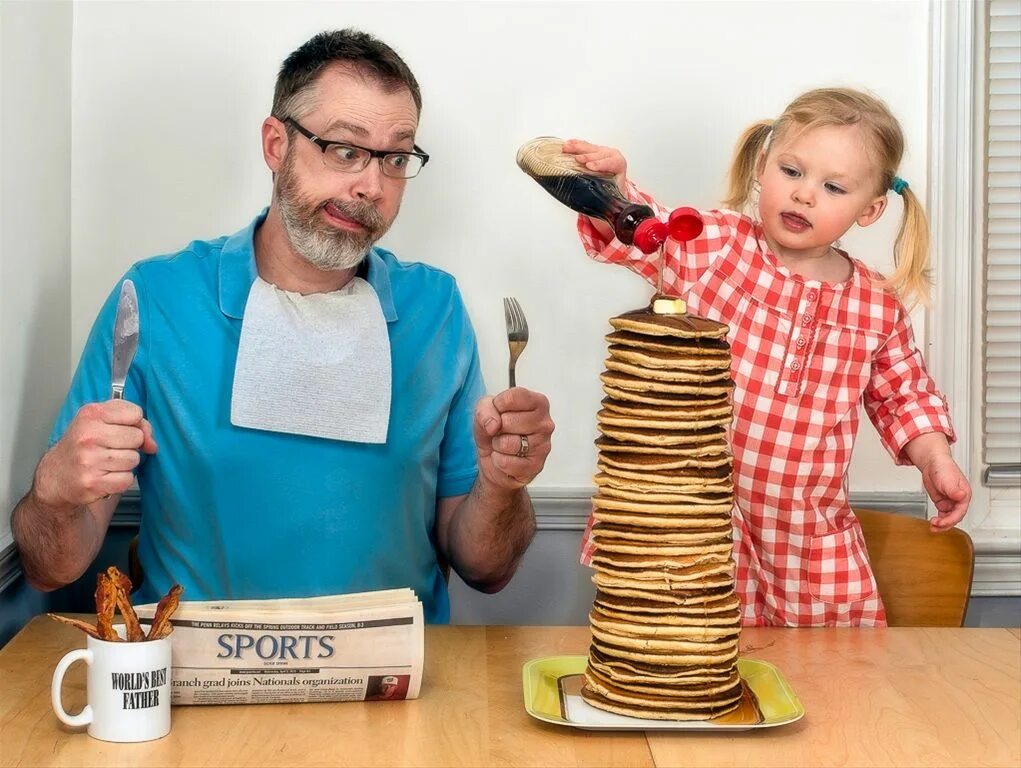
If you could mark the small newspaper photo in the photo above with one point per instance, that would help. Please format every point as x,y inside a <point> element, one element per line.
<point>367,646</point>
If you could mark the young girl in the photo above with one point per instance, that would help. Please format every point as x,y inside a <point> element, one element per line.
<point>813,334</point>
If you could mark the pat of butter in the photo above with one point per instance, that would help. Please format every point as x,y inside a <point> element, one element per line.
<point>669,307</point>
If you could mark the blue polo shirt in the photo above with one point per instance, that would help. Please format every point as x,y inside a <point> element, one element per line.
<point>236,513</point>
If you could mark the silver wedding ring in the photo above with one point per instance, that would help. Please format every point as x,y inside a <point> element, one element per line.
<point>522,447</point>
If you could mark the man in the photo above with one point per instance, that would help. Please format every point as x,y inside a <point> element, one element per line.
<point>388,687</point>
<point>317,404</point>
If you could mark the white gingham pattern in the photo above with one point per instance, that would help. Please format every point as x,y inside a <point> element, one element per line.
<point>805,356</point>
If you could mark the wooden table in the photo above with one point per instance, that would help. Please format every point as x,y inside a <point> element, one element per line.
<point>891,697</point>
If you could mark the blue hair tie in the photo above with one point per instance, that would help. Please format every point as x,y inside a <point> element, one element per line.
<point>898,185</point>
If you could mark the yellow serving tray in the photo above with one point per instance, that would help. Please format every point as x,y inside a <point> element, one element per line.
<point>551,686</point>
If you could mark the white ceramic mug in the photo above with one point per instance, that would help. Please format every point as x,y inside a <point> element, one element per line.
<point>128,689</point>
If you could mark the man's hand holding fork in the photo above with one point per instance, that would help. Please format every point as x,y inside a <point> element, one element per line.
<point>513,430</point>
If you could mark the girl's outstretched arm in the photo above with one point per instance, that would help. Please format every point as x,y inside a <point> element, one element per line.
<point>946,485</point>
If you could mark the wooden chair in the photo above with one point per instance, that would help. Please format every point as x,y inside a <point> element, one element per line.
<point>924,578</point>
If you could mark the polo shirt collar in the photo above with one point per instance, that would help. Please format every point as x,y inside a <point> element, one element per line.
<point>238,272</point>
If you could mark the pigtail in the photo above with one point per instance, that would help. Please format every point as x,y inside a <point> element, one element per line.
<point>910,280</point>
<point>742,167</point>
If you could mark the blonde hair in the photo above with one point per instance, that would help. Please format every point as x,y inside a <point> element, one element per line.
<point>845,107</point>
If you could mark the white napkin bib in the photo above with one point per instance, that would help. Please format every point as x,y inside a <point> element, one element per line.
<point>316,365</point>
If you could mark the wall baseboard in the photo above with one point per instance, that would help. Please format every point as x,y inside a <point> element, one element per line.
<point>567,508</point>
<point>997,573</point>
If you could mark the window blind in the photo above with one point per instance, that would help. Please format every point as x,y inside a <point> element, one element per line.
<point>1002,332</point>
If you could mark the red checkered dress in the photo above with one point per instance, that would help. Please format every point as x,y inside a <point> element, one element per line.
<point>805,355</point>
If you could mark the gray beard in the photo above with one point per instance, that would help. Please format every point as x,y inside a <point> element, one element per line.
<point>329,251</point>
<point>323,247</point>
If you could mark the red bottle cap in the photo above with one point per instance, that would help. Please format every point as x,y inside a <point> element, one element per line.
<point>685,224</point>
<point>650,235</point>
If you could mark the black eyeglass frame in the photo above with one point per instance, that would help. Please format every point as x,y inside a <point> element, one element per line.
<point>374,154</point>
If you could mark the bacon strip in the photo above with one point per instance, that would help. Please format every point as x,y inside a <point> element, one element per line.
<point>161,626</point>
<point>106,604</point>
<point>113,593</point>
<point>122,592</point>
<point>84,626</point>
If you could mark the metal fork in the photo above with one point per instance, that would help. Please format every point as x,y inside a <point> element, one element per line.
<point>517,332</point>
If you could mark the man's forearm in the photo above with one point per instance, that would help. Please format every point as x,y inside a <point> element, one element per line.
<point>488,535</point>
<point>55,544</point>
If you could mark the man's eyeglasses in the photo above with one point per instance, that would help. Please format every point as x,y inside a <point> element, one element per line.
<point>350,158</point>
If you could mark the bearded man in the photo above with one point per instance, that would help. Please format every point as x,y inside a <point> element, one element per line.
<point>318,406</point>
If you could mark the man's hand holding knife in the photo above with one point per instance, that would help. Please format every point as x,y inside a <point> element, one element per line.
<point>95,457</point>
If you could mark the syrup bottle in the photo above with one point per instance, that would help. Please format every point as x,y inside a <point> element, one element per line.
<point>591,194</point>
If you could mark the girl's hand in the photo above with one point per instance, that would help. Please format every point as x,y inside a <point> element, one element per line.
<point>599,159</point>
<point>949,490</point>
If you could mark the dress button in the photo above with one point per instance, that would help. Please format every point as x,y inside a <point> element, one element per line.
<point>812,295</point>
<point>795,366</point>
<point>801,341</point>
<point>807,319</point>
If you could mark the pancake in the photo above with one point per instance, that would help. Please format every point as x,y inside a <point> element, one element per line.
<point>688,651</point>
<point>688,359</point>
<point>696,696</point>
<point>623,382</point>
<point>679,424</point>
<point>645,323</point>
<point>661,398</point>
<point>667,673</point>
<point>674,344</point>
<point>716,529</point>
<point>623,673</point>
<point>625,547</point>
<point>672,576</point>
<point>661,683</point>
<point>683,511</point>
<point>682,375</point>
<point>641,541</point>
<point>714,406</point>
<point>697,488</point>
<point>684,438</point>
<point>689,597</point>
<point>693,619</point>
<point>689,486</point>
<point>598,700</point>
<point>653,461</point>
<point>649,475</point>
<point>663,579</point>
<point>719,601</point>
<point>661,586</point>
<point>715,450</point>
<point>655,522</point>
<point>690,631</point>
<point>657,560</point>
<point>703,495</point>
<point>689,690</point>
<point>662,481</point>
<point>665,657</point>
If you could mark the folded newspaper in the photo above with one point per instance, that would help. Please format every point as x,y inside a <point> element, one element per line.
<point>357,647</point>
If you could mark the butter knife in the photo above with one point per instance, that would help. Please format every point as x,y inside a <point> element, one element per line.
<point>125,338</point>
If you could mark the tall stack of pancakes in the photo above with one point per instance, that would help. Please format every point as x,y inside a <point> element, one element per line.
<point>665,620</point>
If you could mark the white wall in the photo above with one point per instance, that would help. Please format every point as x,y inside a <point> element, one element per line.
<point>168,97</point>
<point>35,260</point>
